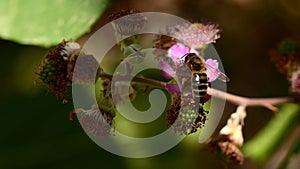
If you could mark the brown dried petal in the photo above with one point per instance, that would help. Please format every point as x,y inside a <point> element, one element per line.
<point>226,150</point>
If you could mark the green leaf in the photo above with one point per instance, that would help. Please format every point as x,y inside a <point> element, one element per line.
<point>46,23</point>
<point>269,138</point>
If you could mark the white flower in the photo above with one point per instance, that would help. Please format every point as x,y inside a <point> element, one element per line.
<point>195,35</point>
<point>233,128</point>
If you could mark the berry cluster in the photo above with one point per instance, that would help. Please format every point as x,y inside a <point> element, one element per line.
<point>287,61</point>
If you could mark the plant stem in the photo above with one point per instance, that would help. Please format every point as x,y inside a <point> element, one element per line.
<point>142,80</point>
<point>281,157</point>
<point>237,100</point>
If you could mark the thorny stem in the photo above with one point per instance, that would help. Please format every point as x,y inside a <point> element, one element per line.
<point>237,100</point>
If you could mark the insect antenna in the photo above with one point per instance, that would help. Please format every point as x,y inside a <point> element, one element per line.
<point>136,52</point>
<point>185,55</point>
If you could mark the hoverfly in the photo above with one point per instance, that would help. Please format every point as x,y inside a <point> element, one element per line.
<point>200,79</point>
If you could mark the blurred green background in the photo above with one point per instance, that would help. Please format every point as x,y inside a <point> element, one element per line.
<point>36,132</point>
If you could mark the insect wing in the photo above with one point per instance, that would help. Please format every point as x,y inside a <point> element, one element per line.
<point>220,75</point>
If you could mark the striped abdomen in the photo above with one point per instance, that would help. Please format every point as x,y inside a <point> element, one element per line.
<point>199,85</point>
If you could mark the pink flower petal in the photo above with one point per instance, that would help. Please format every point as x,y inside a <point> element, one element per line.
<point>177,51</point>
<point>206,98</point>
<point>213,63</point>
<point>173,88</point>
<point>295,80</point>
<point>166,70</point>
<point>212,70</point>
